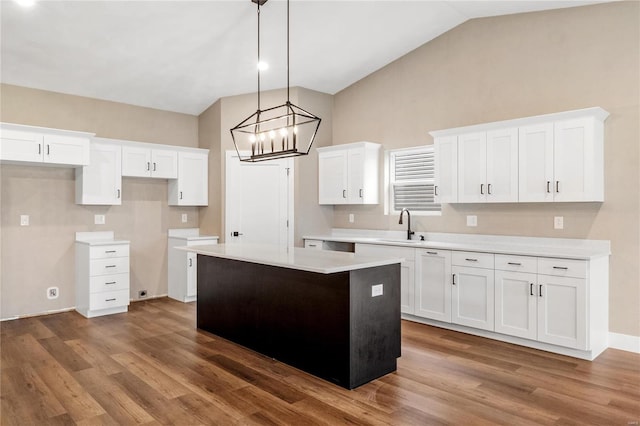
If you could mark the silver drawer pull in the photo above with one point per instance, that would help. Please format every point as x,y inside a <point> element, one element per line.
<point>514,263</point>
<point>110,300</point>
<point>110,266</point>
<point>432,252</point>
<point>313,245</point>
<point>110,251</point>
<point>471,260</point>
<point>564,268</point>
<point>110,283</point>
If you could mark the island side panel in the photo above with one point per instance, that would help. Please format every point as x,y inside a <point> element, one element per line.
<point>375,323</point>
<point>298,317</point>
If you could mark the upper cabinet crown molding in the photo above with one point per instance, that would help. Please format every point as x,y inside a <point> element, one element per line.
<point>43,146</point>
<point>348,173</point>
<point>547,158</point>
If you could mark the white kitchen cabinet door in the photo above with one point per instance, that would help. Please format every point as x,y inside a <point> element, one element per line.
<point>356,178</point>
<point>472,167</point>
<point>515,304</point>
<point>562,314</point>
<point>136,161</point>
<point>17,145</point>
<point>446,169</point>
<point>100,183</point>
<point>70,150</point>
<point>332,177</point>
<point>433,284</point>
<point>535,163</point>
<point>577,161</point>
<point>472,297</point>
<point>502,166</point>
<point>164,163</point>
<point>191,188</point>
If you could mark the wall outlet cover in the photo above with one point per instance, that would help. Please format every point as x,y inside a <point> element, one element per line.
<point>558,222</point>
<point>53,293</point>
<point>24,220</point>
<point>184,218</point>
<point>472,220</point>
<point>99,219</point>
<point>352,218</point>
<point>142,293</point>
<point>377,290</point>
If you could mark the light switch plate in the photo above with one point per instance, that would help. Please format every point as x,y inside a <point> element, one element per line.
<point>352,218</point>
<point>558,222</point>
<point>472,220</point>
<point>184,218</point>
<point>376,290</point>
<point>99,219</point>
<point>24,220</point>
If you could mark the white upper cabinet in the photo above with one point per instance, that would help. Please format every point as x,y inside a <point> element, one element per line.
<point>553,157</point>
<point>100,183</point>
<point>41,145</point>
<point>191,187</point>
<point>446,169</point>
<point>348,174</point>
<point>143,161</point>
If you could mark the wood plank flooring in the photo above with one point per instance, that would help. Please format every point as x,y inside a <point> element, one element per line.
<point>152,366</point>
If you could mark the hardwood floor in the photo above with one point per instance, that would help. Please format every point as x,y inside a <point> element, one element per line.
<point>151,366</point>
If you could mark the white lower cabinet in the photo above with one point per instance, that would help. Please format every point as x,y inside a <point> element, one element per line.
<point>182,265</point>
<point>472,292</point>
<point>433,284</point>
<point>516,304</point>
<point>407,270</point>
<point>102,274</point>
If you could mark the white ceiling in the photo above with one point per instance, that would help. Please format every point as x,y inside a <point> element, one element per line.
<point>184,55</point>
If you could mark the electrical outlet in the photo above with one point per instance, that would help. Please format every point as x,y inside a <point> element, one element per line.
<point>142,293</point>
<point>376,290</point>
<point>99,219</point>
<point>352,218</point>
<point>52,293</point>
<point>558,222</point>
<point>184,218</point>
<point>472,220</point>
<point>24,220</point>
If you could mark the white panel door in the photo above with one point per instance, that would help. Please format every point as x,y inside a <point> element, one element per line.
<point>66,150</point>
<point>433,285</point>
<point>502,165</point>
<point>535,163</point>
<point>136,161</point>
<point>101,181</point>
<point>472,297</point>
<point>573,158</point>
<point>16,145</point>
<point>164,163</point>
<point>515,306</point>
<point>259,201</point>
<point>446,169</point>
<point>561,311</point>
<point>355,176</point>
<point>332,177</point>
<point>472,167</point>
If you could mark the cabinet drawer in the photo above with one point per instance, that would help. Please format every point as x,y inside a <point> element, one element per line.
<point>516,263</point>
<point>313,244</point>
<point>109,299</point>
<point>102,283</point>
<point>102,252</point>
<point>408,254</point>
<point>562,267</point>
<point>473,259</point>
<point>117,265</point>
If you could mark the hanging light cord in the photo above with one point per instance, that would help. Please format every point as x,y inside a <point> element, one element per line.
<point>288,52</point>
<point>258,65</point>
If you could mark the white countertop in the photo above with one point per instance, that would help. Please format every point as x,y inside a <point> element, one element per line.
<point>323,262</point>
<point>524,246</point>
<point>98,238</point>
<point>189,234</point>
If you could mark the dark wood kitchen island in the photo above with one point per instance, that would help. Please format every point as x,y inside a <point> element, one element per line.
<point>332,314</point>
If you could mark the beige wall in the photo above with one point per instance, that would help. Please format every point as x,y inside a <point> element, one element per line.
<point>215,123</point>
<point>516,66</point>
<point>42,255</point>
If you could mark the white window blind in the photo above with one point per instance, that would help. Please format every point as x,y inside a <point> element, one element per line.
<point>412,180</point>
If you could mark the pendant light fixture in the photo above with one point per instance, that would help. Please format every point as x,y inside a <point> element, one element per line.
<point>278,132</point>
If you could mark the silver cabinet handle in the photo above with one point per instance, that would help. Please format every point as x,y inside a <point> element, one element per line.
<point>564,268</point>
<point>514,263</point>
<point>148,166</point>
<point>110,283</point>
<point>110,300</point>
<point>344,193</point>
<point>154,166</point>
<point>39,149</point>
<point>453,280</point>
<point>482,188</point>
<point>548,187</point>
<point>435,190</point>
<point>110,266</point>
<point>471,260</point>
<point>313,245</point>
<point>432,252</point>
<point>531,289</point>
<point>109,251</point>
<point>489,189</point>
<point>118,193</point>
<point>360,192</point>
<point>181,195</point>
<point>557,186</point>
<point>540,290</point>
<point>48,149</point>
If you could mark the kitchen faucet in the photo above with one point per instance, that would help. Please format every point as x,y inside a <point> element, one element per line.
<point>409,231</point>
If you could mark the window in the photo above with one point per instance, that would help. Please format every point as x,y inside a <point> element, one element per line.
<point>410,181</point>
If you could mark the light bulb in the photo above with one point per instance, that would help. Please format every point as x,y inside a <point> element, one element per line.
<point>295,130</point>
<point>283,131</point>
<point>263,66</point>
<point>262,137</point>
<point>272,134</point>
<point>252,138</point>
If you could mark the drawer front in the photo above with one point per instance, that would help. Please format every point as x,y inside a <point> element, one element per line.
<point>109,299</point>
<point>516,263</point>
<point>472,259</point>
<point>102,283</point>
<point>409,254</point>
<point>562,267</point>
<point>117,265</point>
<point>313,244</point>
<point>105,252</point>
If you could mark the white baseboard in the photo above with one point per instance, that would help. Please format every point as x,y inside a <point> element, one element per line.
<point>624,342</point>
